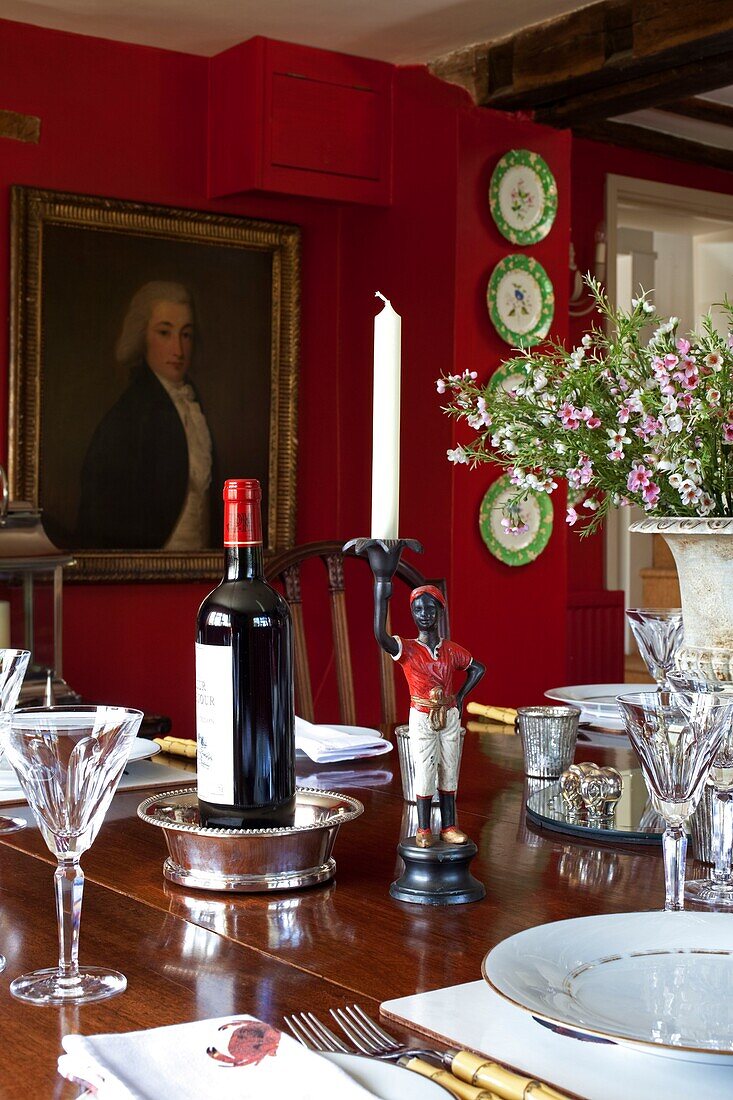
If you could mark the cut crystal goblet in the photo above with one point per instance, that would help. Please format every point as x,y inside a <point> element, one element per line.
<point>676,737</point>
<point>13,665</point>
<point>658,633</point>
<point>69,761</point>
<point>716,889</point>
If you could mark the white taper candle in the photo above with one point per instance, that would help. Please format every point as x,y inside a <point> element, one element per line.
<point>386,423</point>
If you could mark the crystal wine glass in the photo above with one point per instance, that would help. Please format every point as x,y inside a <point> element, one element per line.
<point>69,761</point>
<point>676,738</point>
<point>658,633</point>
<point>13,665</point>
<point>716,889</point>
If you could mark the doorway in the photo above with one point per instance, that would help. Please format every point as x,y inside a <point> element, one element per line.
<point>678,243</point>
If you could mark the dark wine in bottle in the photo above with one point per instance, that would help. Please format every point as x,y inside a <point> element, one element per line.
<point>245,723</point>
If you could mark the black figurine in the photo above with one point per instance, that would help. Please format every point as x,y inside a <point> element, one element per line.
<point>429,662</point>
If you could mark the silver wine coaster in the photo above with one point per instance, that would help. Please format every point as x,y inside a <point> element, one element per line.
<point>250,860</point>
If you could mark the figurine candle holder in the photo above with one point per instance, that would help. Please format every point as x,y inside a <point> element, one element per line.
<point>436,865</point>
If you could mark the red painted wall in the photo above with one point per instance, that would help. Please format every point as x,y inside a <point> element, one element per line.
<point>592,161</point>
<point>128,121</point>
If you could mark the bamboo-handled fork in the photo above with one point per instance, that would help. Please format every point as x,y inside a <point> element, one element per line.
<point>313,1034</point>
<point>370,1038</point>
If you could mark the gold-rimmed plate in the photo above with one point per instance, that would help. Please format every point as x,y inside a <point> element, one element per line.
<point>656,981</point>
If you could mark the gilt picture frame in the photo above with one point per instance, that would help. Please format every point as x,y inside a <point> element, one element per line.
<point>113,439</point>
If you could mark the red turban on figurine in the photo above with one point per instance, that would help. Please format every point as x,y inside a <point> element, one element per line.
<point>428,590</point>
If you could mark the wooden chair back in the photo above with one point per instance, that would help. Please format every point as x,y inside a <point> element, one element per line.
<point>285,568</point>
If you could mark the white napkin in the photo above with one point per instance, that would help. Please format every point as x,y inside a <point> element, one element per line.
<point>326,744</point>
<point>229,1058</point>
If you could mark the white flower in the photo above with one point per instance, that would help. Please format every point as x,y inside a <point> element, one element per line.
<point>539,380</point>
<point>617,438</point>
<point>705,505</point>
<point>675,480</point>
<point>440,385</point>
<point>587,340</point>
<point>674,424</point>
<point>577,356</point>
<point>691,466</point>
<point>560,447</point>
<point>457,456</point>
<point>591,504</point>
<point>713,395</point>
<point>546,419</point>
<point>689,492</point>
<point>648,307</point>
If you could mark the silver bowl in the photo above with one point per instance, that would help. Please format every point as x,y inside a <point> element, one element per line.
<point>250,860</point>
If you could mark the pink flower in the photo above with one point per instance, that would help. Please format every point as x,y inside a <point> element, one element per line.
<point>728,432</point>
<point>512,528</point>
<point>571,517</point>
<point>569,416</point>
<point>615,456</point>
<point>440,385</point>
<point>638,479</point>
<point>671,361</point>
<point>623,414</point>
<point>650,495</point>
<point>683,346</point>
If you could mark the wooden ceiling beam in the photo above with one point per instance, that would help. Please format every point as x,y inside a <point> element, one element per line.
<point>657,142</point>
<point>702,110</point>
<point>601,60</point>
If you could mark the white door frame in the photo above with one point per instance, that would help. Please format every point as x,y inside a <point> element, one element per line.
<point>620,191</point>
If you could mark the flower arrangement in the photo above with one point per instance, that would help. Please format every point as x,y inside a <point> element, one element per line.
<point>623,418</point>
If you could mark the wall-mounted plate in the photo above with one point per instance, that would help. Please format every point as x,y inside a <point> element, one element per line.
<point>523,197</point>
<point>521,300</point>
<point>536,512</point>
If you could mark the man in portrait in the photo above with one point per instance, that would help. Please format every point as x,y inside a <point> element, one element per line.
<point>148,478</point>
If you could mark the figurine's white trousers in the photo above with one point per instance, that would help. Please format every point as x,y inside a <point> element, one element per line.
<point>435,753</point>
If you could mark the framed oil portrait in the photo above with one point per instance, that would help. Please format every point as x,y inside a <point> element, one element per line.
<point>154,353</point>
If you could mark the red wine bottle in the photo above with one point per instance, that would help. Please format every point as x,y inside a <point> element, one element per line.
<point>245,723</point>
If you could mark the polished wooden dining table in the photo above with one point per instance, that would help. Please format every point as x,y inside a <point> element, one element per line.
<point>191,954</point>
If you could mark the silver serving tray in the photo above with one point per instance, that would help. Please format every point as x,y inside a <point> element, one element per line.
<point>250,860</point>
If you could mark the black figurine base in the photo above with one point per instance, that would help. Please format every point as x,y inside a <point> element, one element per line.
<point>437,876</point>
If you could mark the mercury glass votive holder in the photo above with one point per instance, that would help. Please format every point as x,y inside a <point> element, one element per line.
<point>548,737</point>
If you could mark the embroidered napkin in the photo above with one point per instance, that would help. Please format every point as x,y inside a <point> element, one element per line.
<point>326,744</point>
<point>229,1058</point>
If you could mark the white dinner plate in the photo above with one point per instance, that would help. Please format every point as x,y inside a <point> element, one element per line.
<point>142,749</point>
<point>387,1081</point>
<point>658,981</point>
<point>597,701</point>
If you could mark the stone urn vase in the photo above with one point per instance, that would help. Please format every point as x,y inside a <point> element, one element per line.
<point>703,552</point>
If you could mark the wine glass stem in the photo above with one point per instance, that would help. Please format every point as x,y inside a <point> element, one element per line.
<point>674,849</point>
<point>723,835</point>
<point>69,881</point>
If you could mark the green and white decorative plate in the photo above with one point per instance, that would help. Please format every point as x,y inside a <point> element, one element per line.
<point>523,197</point>
<point>507,377</point>
<point>521,300</point>
<point>536,512</point>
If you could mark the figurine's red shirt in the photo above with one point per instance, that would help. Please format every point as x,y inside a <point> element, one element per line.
<point>424,671</point>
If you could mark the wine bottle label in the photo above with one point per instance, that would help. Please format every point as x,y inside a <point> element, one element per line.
<point>215,724</point>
